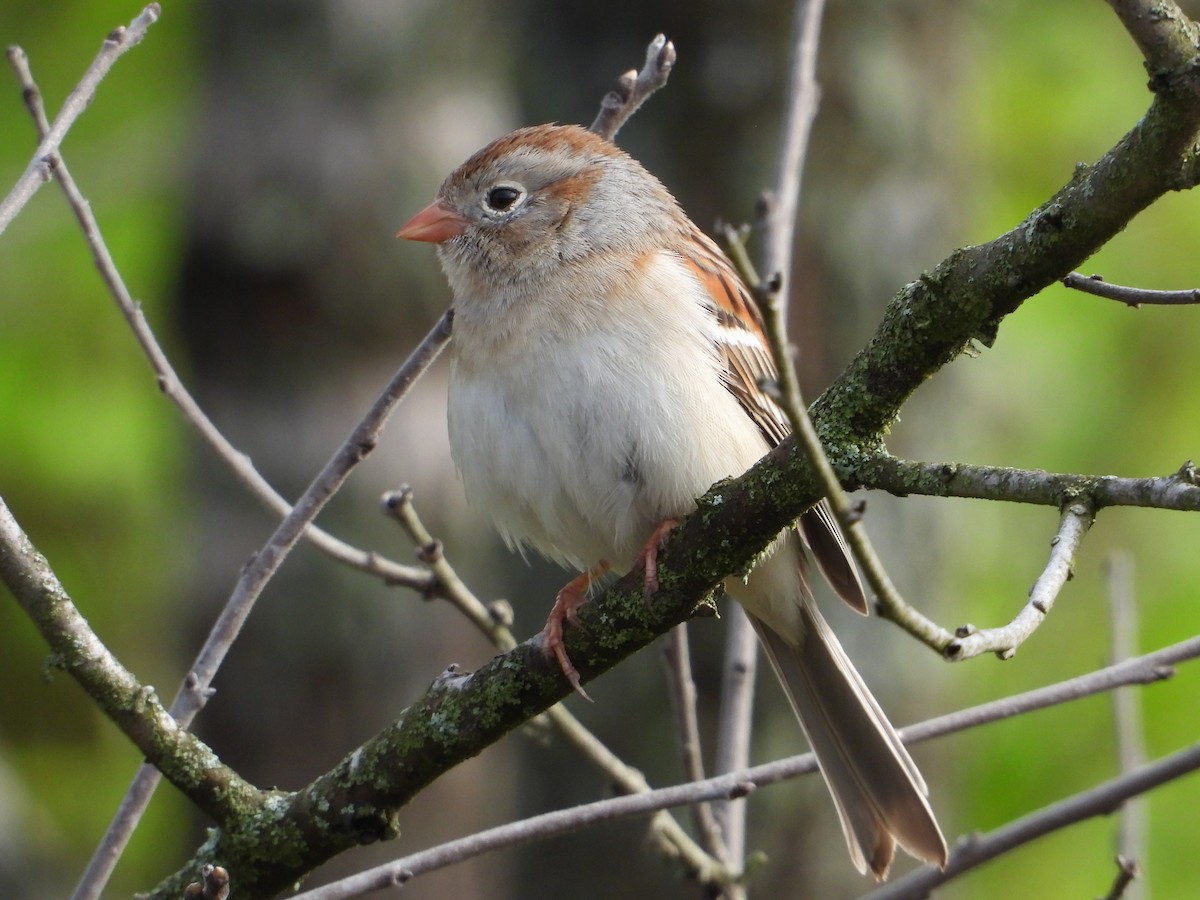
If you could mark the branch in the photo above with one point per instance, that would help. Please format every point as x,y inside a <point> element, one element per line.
<point>195,688</point>
<point>778,234</point>
<point>966,297</point>
<point>133,707</point>
<point>1130,296</point>
<point>168,380</point>
<point>1101,800</point>
<point>633,88</point>
<point>495,621</point>
<point>804,95</point>
<point>38,170</point>
<point>1146,670</point>
<point>1165,35</point>
<point>683,696</point>
<point>735,719</point>
<point>1128,725</point>
<point>1077,518</point>
<point>461,713</point>
<point>880,471</point>
<point>1128,872</point>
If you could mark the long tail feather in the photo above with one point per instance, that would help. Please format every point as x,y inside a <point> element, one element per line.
<point>879,794</point>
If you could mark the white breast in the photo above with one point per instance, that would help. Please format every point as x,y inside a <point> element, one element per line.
<point>592,418</point>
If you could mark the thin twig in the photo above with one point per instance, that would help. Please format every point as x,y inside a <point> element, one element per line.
<point>734,722</point>
<point>1098,801</point>
<point>1125,883</point>
<point>804,95</point>
<point>669,835</point>
<point>1077,518</point>
<point>1127,725</point>
<point>633,88</point>
<point>778,233</point>
<point>493,620</point>
<point>1130,296</point>
<point>1144,670</point>
<point>778,239</point>
<point>195,689</point>
<point>683,696</point>
<point>172,386</point>
<point>38,170</point>
<point>355,448</point>
<point>1178,491</point>
<point>888,601</point>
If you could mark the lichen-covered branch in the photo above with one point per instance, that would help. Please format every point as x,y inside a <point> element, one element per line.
<point>967,296</point>
<point>135,708</point>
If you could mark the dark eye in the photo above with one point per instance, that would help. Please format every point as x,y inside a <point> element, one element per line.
<point>502,197</point>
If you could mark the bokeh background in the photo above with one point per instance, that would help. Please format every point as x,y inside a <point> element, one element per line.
<point>249,164</point>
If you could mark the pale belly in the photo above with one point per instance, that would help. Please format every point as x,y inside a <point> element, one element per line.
<point>582,461</point>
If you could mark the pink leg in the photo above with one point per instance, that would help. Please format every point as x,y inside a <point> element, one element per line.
<point>648,558</point>
<point>566,607</point>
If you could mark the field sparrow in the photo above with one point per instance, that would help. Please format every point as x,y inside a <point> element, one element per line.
<point>606,370</point>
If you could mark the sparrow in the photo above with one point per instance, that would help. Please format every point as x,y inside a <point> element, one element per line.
<point>607,365</point>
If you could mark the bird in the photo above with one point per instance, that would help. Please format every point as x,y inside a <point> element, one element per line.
<point>607,367</point>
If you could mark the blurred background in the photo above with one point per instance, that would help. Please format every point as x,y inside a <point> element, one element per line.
<point>250,163</point>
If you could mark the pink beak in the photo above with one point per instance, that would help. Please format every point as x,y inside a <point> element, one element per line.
<point>434,224</point>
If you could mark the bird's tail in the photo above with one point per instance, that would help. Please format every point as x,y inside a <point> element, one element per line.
<point>880,795</point>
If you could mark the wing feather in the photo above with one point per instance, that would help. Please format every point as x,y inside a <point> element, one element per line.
<point>748,367</point>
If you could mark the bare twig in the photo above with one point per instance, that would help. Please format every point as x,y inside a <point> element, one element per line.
<point>493,620</point>
<point>1125,884</point>
<point>780,217</point>
<point>168,380</point>
<point>804,94</point>
<point>1127,725</point>
<point>1144,670</point>
<point>38,170</point>
<point>1178,491</point>
<point>633,88</point>
<point>778,232</point>
<point>889,603</point>
<point>1098,801</point>
<point>669,836</point>
<point>195,688</point>
<point>734,722</point>
<point>1077,518</point>
<point>1130,296</point>
<point>687,727</point>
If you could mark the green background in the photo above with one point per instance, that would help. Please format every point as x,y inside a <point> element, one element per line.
<point>942,125</point>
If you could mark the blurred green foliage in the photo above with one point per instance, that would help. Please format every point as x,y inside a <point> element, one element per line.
<point>92,458</point>
<point>89,451</point>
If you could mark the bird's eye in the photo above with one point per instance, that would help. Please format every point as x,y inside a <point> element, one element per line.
<point>502,197</point>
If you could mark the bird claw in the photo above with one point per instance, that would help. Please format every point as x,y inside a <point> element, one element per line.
<point>566,608</point>
<point>648,558</point>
